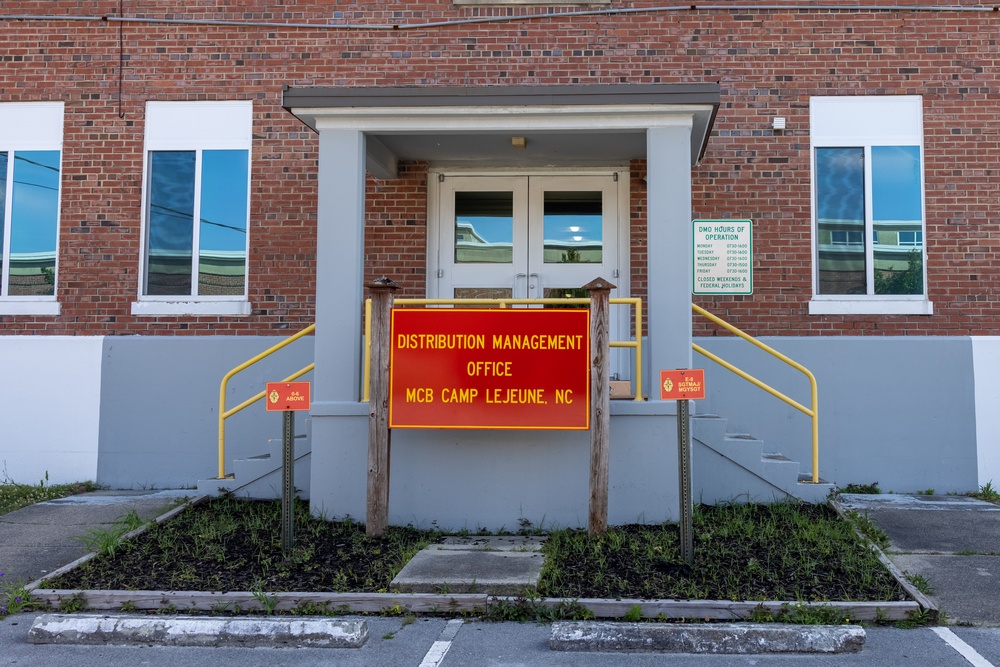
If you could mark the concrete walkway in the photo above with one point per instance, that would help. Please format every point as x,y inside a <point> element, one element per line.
<point>952,542</point>
<point>41,538</point>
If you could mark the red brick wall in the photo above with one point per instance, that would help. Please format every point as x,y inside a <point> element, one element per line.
<point>768,63</point>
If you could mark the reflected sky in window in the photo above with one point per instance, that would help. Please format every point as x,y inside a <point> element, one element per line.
<point>896,183</point>
<point>484,227</point>
<point>573,227</point>
<point>221,211</point>
<point>35,202</point>
<point>840,184</point>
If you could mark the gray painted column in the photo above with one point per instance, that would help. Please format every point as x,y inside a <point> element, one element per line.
<point>669,236</point>
<point>339,268</point>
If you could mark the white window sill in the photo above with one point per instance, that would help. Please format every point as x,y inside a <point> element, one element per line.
<point>870,306</point>
<point>156,307</point>
<point>29,307</point>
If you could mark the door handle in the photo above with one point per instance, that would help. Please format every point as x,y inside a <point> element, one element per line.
<point>537,279</point>
<point>517,276</point>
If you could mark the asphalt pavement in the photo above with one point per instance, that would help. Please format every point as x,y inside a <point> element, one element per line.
<point>951,544</point>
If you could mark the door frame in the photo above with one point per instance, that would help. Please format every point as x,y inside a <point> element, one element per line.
<point>621,321</point>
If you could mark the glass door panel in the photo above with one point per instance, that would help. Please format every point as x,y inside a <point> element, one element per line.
<point>482,229</point>
<point>573,227</point>
<point>529,237</point>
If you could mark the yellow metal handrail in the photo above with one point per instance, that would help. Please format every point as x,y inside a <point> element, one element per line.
<point>225,414</point>
<point>812,412</point>
<point>636,344</point>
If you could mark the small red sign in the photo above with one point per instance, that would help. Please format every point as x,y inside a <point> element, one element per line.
<point>682,384</point>
<point>512,368</point>
<point>282,396</point>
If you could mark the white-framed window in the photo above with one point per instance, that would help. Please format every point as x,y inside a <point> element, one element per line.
<point>196,203</point>
<point>531,2</point>
<point>31,135</point>
<point>868,206</point>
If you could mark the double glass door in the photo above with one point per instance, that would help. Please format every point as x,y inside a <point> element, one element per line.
<point>525,236</point>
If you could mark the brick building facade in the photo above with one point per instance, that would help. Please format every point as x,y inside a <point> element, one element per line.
<point>106,65</point>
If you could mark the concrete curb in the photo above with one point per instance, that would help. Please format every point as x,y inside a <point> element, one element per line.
<point>731,638</point>
<point>193,631</point>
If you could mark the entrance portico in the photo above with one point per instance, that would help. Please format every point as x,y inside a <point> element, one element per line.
<point>497,478</point>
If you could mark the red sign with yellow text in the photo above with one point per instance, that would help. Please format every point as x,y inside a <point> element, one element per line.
<point>682,384</point>
<point>282,396</point>
<point>518,368</point>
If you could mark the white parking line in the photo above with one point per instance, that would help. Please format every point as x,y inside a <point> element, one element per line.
<point>439,649</point>
<point>964,649</point>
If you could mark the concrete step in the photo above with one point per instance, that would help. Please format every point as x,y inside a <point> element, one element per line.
<point>493,565</point>
<point>260,477</point>
<point>752,474</point>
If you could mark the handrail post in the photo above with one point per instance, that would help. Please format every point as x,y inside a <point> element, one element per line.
<point>377,517</point>
<point>813,411</point>
<point>600,403</point>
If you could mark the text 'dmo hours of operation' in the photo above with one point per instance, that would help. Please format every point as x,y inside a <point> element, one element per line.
<point>472,368</point>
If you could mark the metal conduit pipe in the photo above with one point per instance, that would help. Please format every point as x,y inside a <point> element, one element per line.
<point>812,8</point>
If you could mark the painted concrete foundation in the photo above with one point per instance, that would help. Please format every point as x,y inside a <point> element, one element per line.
<point>900,411</point>
<point>132,412</point>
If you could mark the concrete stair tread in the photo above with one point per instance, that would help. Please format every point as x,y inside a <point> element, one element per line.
<point>504,565</point>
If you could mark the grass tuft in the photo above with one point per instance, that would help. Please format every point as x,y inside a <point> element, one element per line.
<point>14,496</point>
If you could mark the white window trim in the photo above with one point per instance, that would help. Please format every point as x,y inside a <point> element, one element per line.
<point>14,305</point>
<point>873,305</point>
<point>194,126</point>
<point>889,121</point>
<point>203,306</point>
<point>33,126</point>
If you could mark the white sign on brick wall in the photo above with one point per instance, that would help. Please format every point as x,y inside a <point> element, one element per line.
<point>723,257</point>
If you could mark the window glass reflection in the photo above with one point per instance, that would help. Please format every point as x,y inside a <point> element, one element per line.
<point>840,210</point>
<point>34,223</point>
<point>897,220</point>
<point>171,222</point>
<point>3,204</point>
<point>484,227</point>
<point>223,222</point>
<point>573,227</point>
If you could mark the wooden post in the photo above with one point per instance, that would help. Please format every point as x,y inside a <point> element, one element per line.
<point>600,403</point>
<point>379,435</point>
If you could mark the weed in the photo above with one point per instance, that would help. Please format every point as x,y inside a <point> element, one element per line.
<point>15,598</point>
<point>522,609</point>
<point>267,602</point>
<point>920,583</point>
<point>862,488</point>
<point>128,607</point>
<point>988,493</point>
<point>916,619</point>
<point>867,527</point>
<point>394,610</point>
<point>926,492</point>
<point>14,496</point>
<point>106,541</point>
<point>633,614</point>
<point>74,603</point>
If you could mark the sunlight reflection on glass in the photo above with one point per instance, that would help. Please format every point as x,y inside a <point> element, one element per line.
<point>223,229</point>
<point>171,222</point>
<point>34,223</point>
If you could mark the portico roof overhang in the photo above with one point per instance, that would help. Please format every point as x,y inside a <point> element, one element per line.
<point>561,125</point>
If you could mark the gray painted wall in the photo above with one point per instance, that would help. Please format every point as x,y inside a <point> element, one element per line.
<point>466,479</point>
<point>159,406</point>
<point>899,411</point>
